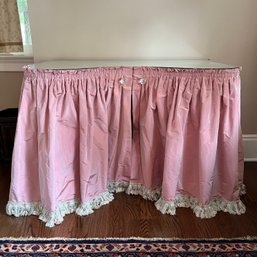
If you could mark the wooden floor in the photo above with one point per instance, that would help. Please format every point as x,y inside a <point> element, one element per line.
<point>132,216</point>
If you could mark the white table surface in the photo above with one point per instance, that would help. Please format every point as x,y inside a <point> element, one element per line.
<point>80,64</point>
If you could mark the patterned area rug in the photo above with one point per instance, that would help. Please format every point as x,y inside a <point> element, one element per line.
<point>131,247</point>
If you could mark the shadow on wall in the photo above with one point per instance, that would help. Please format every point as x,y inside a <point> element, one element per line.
<point>233,39</point>
<point>10,85</point>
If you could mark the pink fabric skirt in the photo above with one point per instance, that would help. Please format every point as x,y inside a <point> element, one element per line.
<point>170,135</point>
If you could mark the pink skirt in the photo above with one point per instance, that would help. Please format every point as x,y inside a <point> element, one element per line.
<point>170,135</point>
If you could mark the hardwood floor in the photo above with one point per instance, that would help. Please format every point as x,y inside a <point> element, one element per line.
<point>129,216</point>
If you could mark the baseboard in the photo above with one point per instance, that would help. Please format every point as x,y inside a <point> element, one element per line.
<point>250,147</point>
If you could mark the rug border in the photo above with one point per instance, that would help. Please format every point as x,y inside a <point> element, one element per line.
<point>246,238</point>
<point>138,245</point>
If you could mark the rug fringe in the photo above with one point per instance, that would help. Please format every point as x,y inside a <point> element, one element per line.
<point>129,238</point>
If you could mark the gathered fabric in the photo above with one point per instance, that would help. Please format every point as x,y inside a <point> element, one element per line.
<point>170,135</point>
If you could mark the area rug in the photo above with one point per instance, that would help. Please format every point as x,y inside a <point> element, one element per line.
<point>131,247</point>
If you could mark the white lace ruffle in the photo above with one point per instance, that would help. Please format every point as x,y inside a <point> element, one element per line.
<point>135,189</point>
<point>207,211</point>
<point>164,206</point>
<point>53,218</point>
<point>204,212</point>
<point>242,189</point>
<point>96,203</point>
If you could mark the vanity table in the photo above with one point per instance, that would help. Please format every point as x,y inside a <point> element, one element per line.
<point>166,130</point>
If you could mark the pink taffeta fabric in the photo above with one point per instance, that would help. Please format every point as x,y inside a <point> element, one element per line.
<point>170,135</point>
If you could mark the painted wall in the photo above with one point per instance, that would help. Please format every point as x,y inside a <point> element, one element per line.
<point>223,30</point>
<point>10,84</point>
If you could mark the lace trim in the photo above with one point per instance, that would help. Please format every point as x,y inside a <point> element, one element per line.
<point>53,218</point>
<point>169,207</point>
<point>135,189</point>
<point>164,206</point>
<point>96,203</point>
<point>204,212</point>
<point>242,189</point>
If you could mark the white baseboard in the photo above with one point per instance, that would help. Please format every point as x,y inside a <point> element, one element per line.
<point>250,147</point>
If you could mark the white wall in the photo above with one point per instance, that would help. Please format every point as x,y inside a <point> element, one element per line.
<point>223,30</point>
<point>117,28</point>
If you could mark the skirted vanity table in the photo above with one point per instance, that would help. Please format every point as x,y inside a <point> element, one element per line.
<point>166,130</point>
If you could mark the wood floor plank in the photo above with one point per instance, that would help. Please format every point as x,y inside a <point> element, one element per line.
<point>132,216</point>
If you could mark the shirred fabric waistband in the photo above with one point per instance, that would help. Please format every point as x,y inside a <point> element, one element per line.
<point>135,71</point>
